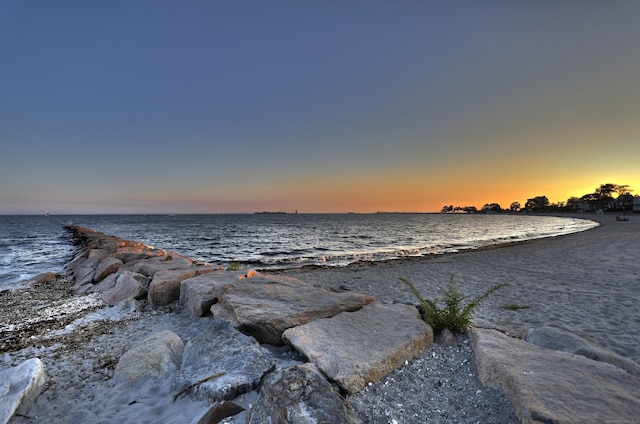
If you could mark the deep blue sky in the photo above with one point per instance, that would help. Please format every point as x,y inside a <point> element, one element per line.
<point>157,106</point>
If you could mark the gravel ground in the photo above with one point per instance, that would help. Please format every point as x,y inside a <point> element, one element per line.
<point>79,334</point>
<point>439,386</point>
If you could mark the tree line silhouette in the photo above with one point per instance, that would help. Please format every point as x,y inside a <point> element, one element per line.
<point>607,197</point>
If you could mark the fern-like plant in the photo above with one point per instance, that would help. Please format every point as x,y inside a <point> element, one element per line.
<point>455,316</point>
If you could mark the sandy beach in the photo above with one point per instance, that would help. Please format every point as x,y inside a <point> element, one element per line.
<point>586,283</point>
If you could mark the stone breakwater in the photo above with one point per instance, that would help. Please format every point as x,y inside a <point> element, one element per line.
<point>349,339</point>
<point>224,367</point>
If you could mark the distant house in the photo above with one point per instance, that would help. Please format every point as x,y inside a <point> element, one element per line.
<point>624,202</point>
<point>584,206</point>
<point>636,204</point>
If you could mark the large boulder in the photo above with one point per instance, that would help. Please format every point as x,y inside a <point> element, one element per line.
<point>221,364</point>
<point>299,394</point>
<point>150,267</point>
<point>45,277</point>
<point>129,285</point>
<point>157,356</point>
<point>84,273</point>
<point>220,411</point>
<point>549,386</point>
<point>265,306</point>
<point>107,266</point>
<point>99,253</point>
<point>78,258</point>
<point>18,385</point>
<point>197,294</point>
<point>128,252</point>
<point>355,348</point>
<point>105,285</point>
<point>165,285</point>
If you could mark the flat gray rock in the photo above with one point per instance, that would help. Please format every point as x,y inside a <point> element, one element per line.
<point>197,294</point>
<point>355,348</point>
<point>18,385</point>
<point>150,266</point>
<point>156,356</point>
<point>132,251</point>
<point>300,394</point>
<point>165,285</point>
<point>265,306</point>
<point>221,364</point>
<point>129,285</point>
<point>549,386</point>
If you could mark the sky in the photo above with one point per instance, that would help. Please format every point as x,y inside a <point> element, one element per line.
<point>316,106</point>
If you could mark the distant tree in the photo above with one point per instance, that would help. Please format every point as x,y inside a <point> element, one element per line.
<point>491,207</point>
<point>603,198</point>
<point>605,191</point>
<point>515,207</point>
<point>572,203</point>
<point>590,201</point>
<point>538,204</point>
<point>446,209</point>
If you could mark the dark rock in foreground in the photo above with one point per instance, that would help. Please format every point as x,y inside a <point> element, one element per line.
<point>299,394</point>
<point>237,361</point>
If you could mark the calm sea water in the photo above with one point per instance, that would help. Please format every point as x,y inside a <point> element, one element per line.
<point>30,245</point>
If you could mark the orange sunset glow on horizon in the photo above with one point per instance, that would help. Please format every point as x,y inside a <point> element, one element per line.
<point>332,107</point>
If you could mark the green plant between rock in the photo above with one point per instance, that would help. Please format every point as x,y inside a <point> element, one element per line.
<point>234,266</point>
<point>512,306</point>
<point>455,316</point>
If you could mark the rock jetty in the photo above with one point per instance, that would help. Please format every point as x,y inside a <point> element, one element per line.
<point>362,340</point>
<point>345,341</point>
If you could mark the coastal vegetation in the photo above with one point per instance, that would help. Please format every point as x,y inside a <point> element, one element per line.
<point>234,265</point>
<point>512,306</point>
<point>454,316</point>
<point>607,197</point>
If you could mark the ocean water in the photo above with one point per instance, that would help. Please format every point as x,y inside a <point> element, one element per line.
<point>30,245</point>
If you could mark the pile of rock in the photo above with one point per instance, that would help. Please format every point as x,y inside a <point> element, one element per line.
<point>349,339</point>
<point>123,269</point>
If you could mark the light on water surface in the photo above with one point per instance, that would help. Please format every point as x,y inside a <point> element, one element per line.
<point>33,244</point>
